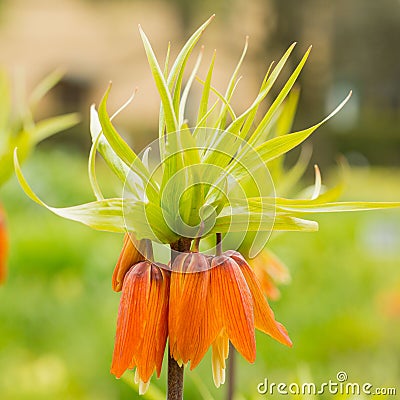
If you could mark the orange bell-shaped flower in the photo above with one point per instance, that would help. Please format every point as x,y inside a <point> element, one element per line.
<point>210,307</point>
<point>142,325</point>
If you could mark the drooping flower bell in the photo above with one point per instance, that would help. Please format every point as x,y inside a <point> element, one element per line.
<point>189,308</point>
<point>210,307</point>
<point>142,325</point>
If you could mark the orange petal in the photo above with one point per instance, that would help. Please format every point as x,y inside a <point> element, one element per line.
<point>263,315</point>
<point>175,305</point>
<point>190,335</point>
<point>209,327</point>
<point>3,247</point>
<point>131,317</point>
<point>150,352</point>
<point>131,254</point>
<point>233,304</point>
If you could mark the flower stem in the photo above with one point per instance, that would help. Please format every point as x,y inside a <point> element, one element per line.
<point>196,244</point>
<point>231,372</point>
<point>218,244</point>
<point>175,372</point>
<point>149,250</point>
<point>175,380</point>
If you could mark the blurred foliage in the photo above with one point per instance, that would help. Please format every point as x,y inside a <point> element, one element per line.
<point>58,312</point>
<point>17,125</point>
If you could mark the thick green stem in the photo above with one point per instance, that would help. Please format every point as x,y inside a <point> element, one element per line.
<point>175,372</point>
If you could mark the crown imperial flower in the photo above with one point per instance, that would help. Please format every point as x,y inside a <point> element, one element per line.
<point>214,301</point>
<point>142,324</point>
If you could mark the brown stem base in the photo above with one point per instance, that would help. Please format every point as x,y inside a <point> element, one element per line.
<point>175,380</point>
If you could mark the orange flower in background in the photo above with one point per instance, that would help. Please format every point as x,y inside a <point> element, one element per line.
<point>3,246</point>
<point>215,306</point>
<point>270,271</point>
<point>142,324</point>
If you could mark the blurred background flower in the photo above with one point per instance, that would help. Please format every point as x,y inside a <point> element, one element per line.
<point>57,312</point>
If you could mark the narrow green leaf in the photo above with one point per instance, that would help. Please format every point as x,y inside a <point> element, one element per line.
<point>232,84</point>
<point>92,169</point>
<point>252,115</point>
<point>203,107</point>
<point>161,119</point>
<point>48,127</point>
<point>123,151</point>
<point>186,91</point>
<point>100,143</point>
<point>180,151</point>
<point>223,100</point>
<point>166,64</point>
<point>162,87</point>
<point>201,128</point>
<point>119,168</point>
<point>176,75</point>
<point>257,135</point>
<point>251,223</point>
<point>236,125</point>
<point>317,205</point>
<point>286,180</point>
<point>146,220</point>
<point>289,107</point>
<point>220,147</point>
<point>265,88</point>
<point>275,147</point>
<point>104,215</point>
<point>44,86</point>
<point>120,147</point>
<point>304,206</point>
<point>283,126</point>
